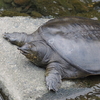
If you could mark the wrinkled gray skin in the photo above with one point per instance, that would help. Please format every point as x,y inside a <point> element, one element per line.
<point>38,51</point>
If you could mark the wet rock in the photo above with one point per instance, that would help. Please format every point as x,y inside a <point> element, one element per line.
<point>54,8</point>
<point>59,8</point>
<point>8,1</point>
<point>90,14</point>
<point>96,5</point>
<point>3,4</point>
<point>89,94</point>
<point>79,6</point>
<point>21,2</point>
<point>18,9</point>
<point>35,14</point>
<point>50,7</point>
<point>12,13</point>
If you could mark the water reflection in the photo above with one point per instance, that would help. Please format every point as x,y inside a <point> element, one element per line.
<point>84,89</point>
<point>92,93</point>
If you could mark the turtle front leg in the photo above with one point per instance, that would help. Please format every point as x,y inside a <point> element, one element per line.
<point>16,38</point>
<point>53,77</point>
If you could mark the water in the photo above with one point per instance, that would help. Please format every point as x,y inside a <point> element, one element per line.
<point>83,89</point>
<point>92,93</point>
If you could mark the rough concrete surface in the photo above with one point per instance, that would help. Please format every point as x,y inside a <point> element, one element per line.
<point>19,78</point>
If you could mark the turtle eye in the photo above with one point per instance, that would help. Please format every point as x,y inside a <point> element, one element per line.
<point>33,48</point>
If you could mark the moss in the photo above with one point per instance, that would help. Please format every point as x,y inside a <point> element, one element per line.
<point>12,13</point>
<point>79,6</point>
<point>7,1</point>
<point>90,14</point>
<point>21,2</point>
<point>50,7</point>
<point>87,1</point>
<point>3,5</point>
<point>35,14</point>
<point>55,8</point>
<point>60,7</point>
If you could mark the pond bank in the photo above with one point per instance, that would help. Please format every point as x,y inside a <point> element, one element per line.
<point>53,8</point>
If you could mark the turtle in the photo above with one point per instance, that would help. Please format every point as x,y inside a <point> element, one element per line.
<point>68,48</point>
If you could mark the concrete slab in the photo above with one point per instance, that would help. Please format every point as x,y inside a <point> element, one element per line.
<point>20,79</point>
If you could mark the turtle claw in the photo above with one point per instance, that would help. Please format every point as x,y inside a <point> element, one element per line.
<point>53,82</point>
<point>53,89</point>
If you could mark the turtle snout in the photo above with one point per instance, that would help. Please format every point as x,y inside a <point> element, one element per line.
<point>19,48</point>
<point>6,35</point>
<point>23,50</point>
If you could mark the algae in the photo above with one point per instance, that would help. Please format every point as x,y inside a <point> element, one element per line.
<point>4,5</point>
<point>55,8</point>
<point>11,13</point>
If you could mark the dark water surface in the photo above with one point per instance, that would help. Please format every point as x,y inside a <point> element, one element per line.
<point>84,89</point>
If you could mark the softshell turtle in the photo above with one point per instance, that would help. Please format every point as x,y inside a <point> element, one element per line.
<point>67,47</point>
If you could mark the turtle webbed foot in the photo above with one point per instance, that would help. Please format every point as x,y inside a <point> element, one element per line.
<point>15,38</point>
<point>53,81</point>
<point>9,37</point>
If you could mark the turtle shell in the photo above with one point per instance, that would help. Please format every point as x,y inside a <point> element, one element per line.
<point>76,40</point>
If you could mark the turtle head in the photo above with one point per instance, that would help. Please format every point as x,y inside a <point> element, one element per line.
<point>34,51</point>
